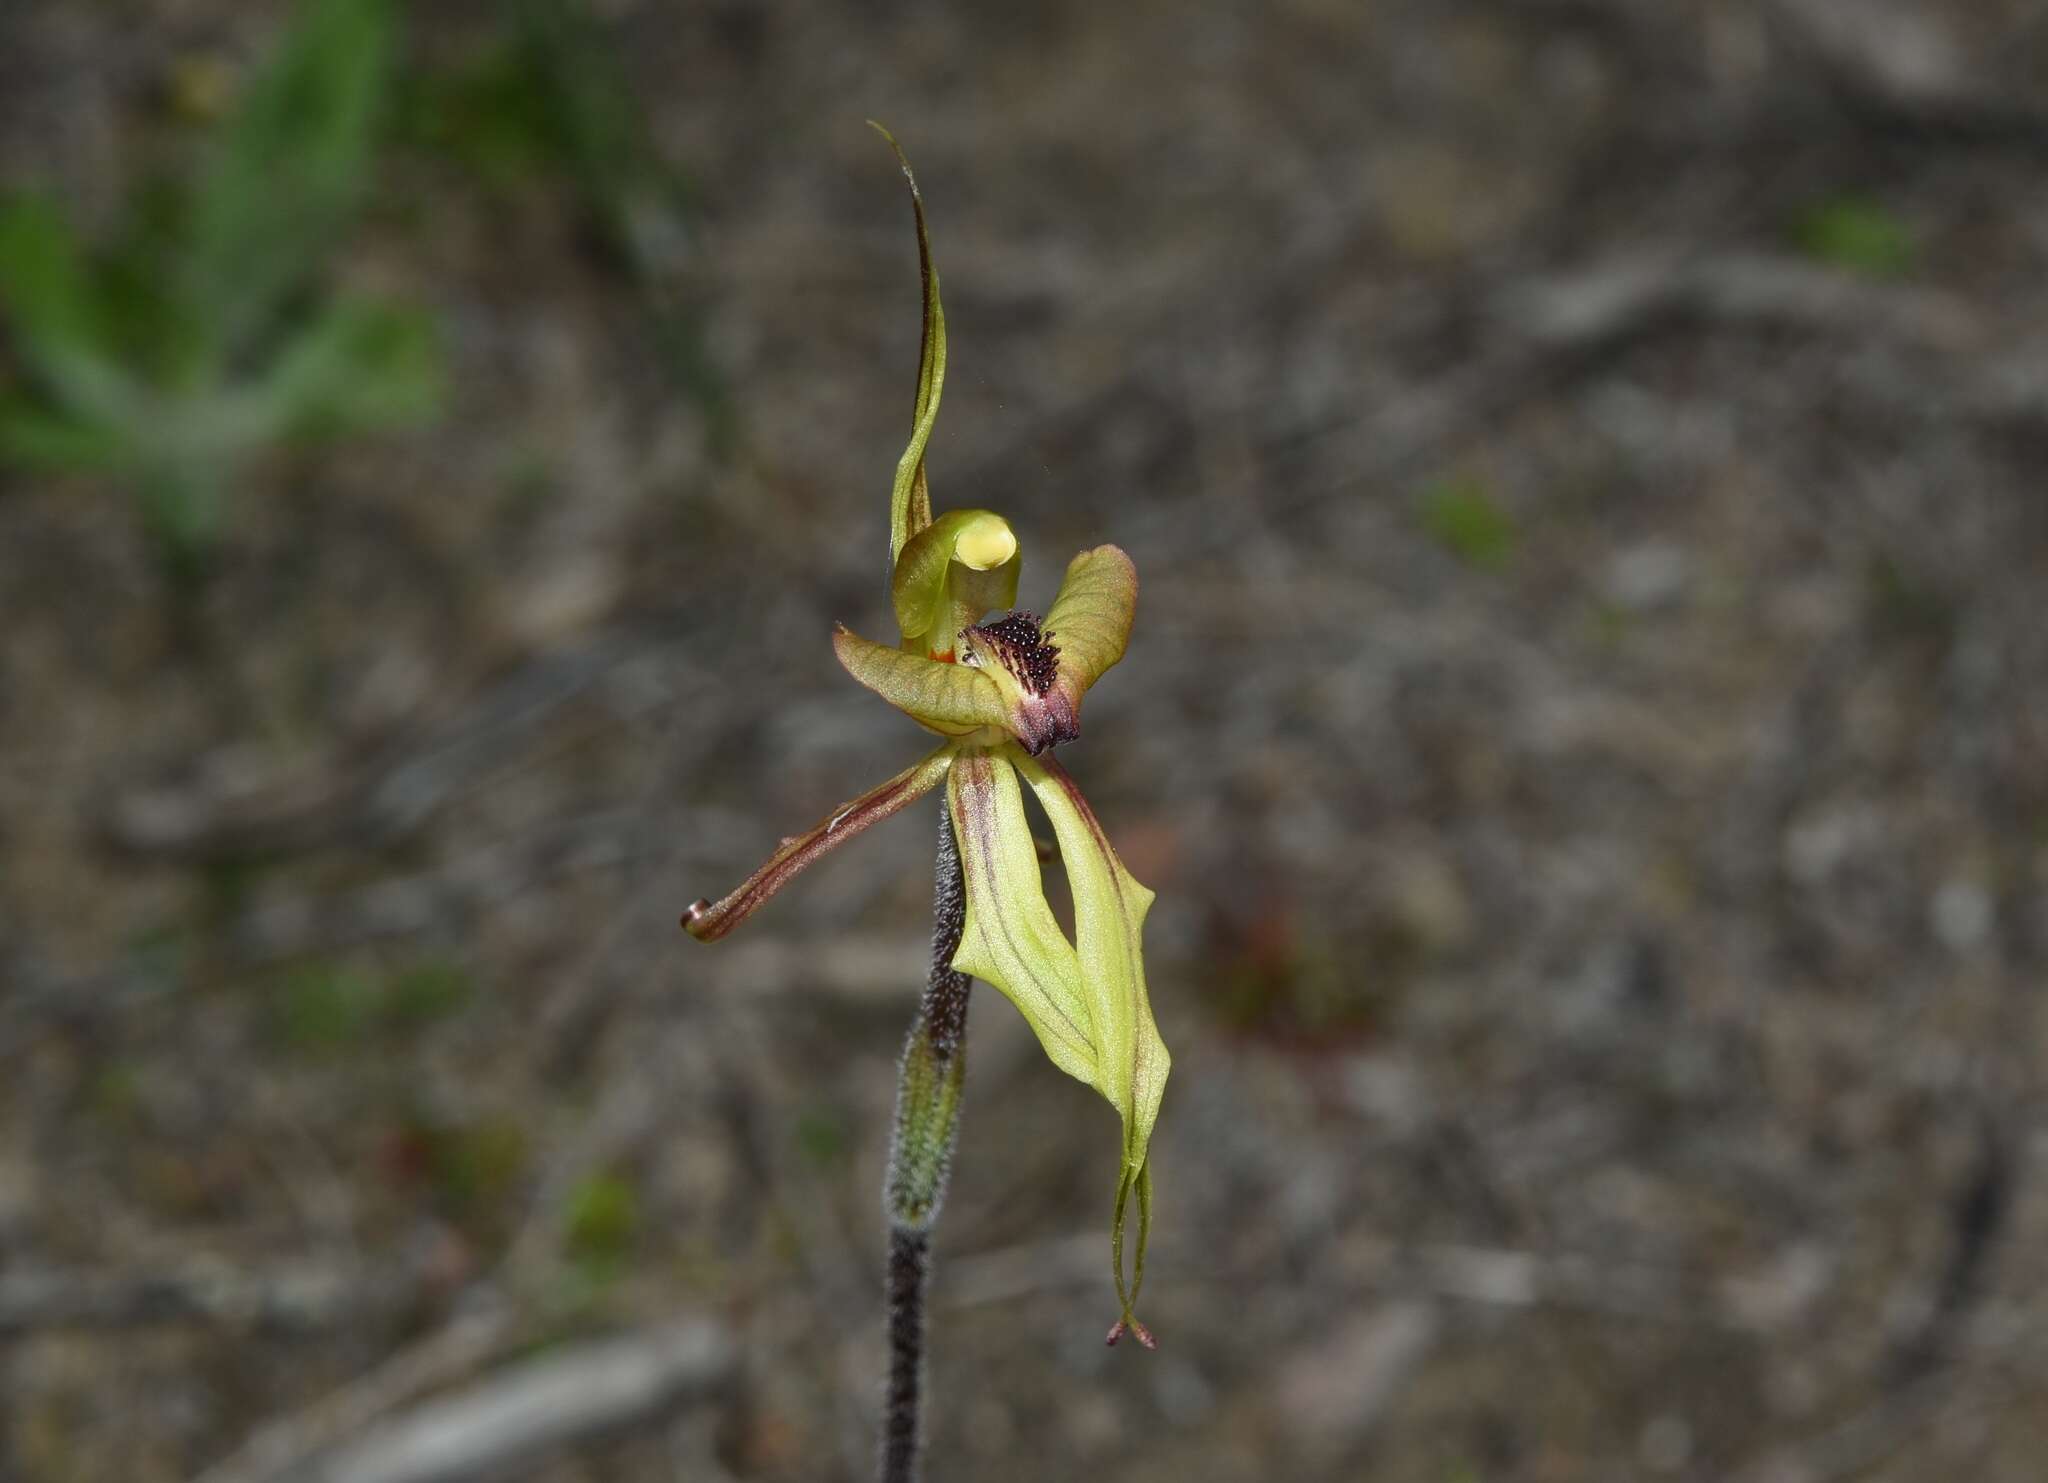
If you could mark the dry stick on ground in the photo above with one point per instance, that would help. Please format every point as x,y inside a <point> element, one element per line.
<point>1877,1432</point>
<point>1979,1216</point>
<point>1898,69</point>
<point>1892,68</point>
<point>631,1110</point>
<point>382,798</point>
<point>1544,330</point>
<point>282,1449</point>
<point>752,1094</point>
<point>573,1014</point>
<point>501,1419</point>
<point>473,1339</point>
<point>298,1300</point>
<point>541,1405</point>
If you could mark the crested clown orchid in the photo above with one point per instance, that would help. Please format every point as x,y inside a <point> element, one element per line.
<point>1003,692</point>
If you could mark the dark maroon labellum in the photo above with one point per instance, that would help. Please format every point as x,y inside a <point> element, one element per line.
<point>1026,653</point>
<point>1044,714</point>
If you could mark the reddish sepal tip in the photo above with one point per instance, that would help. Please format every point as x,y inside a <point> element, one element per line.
<point>1137,1330</point>
<point>694,912</point>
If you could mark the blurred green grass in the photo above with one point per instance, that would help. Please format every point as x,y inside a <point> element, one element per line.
<point>202,328</point>
<point>1858,234</point>
<point>200,332</point>
<point>1463,518</point>
<point>325,1007</point>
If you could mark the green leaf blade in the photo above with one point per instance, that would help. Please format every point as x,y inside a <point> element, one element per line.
<point>51,301</point>
<point>293,165</point>
<point>358,366</point>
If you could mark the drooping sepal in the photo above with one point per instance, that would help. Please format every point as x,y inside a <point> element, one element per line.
<point>707,921</point>
<point>1011,939</point>
<point>1109,921</point>
<point>1085,999</point>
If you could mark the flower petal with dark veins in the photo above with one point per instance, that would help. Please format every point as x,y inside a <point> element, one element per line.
<point>1085,999</point>
<point>1011,939</point>
<point>1109,924</point>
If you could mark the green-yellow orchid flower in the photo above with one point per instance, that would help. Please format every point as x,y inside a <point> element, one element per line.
<point>1002,693</point>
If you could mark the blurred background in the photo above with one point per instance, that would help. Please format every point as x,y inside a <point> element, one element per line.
<point>1587,725</point>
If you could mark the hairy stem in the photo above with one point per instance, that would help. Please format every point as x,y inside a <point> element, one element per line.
<point>909,1266</point>
<point>920,1157</point>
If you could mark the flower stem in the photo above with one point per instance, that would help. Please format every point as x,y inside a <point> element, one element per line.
<point>920,1157</point>
<point>909,1267</point>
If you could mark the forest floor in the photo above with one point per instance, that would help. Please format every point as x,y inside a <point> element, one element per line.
<point>1586,725</point>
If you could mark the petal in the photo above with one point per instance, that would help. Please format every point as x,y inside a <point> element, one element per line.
<point>951,699</point>
<point>1011,939</point>
<point>1109,922</point>
<point>708,923</point>
<point>1086,1000</point>
<point>965,556</point>
<point>1090,620</point>
<point>910,502</point>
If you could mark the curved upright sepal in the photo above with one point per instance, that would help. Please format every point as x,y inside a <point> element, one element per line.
<point>910,501</point>
<point>707,922</point>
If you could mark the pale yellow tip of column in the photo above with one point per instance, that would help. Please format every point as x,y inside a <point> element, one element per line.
<point>985,544</point>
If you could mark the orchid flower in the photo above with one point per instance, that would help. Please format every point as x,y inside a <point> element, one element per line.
<point>1002,693</point>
